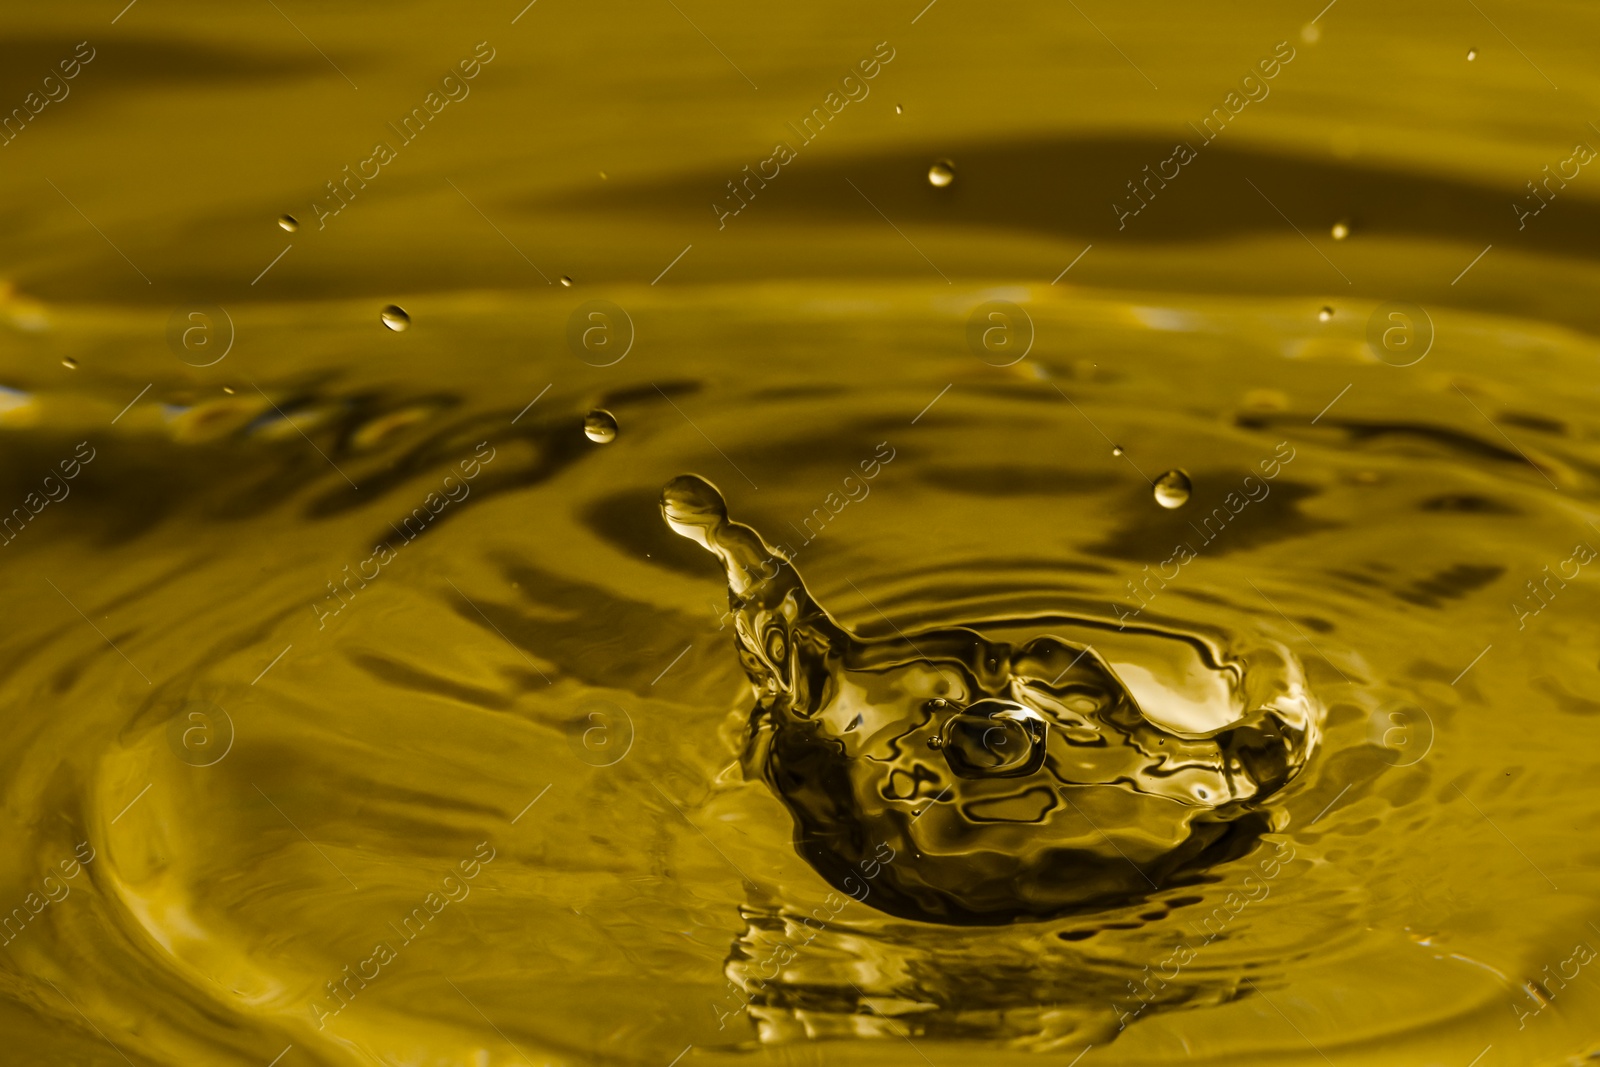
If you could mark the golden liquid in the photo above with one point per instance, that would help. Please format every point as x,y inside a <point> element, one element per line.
<point>361,708</point>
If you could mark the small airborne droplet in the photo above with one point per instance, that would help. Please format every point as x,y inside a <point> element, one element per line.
<point>566,281</point>
<point>1325,314</point>
<point>288,222</point>
<point>228,389</point>
<point>898,110</point>
<point>1472,53</point>
<point>1341,230</point>
<point>600,426</point>
<point>69,363</point>
<point>1116,450</point>
<point>603,175</point>
<point>395,318</point>
<point>1172,489</point>
<point>941,174</point>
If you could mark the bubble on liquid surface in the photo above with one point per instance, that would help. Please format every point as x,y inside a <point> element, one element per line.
<point>941,174</point>
<point>600,426</point>
<point>1012,773</point>
<point>395,318</point>
<point>1172,489</point>
<point>288,223</point>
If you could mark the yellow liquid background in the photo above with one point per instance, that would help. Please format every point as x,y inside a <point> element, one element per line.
<point>623,914</point>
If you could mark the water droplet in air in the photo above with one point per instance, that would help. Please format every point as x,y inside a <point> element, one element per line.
<point>1172,489</point>
<point>69,363</point>
<point>228,389</point>
<point>1116,450</point>
<point>1325,314</point>
<point>600,426</point>
<point>395,318</point>
<point>898,110</point>
<point>1341,230</point>
<point>1472,53</point>
<point>566,281</point>
<point>603,175</point>
<point>288,222</point>
<point>941,174</point>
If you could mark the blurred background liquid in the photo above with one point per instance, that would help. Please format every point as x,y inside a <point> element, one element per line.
<point>360,708</point>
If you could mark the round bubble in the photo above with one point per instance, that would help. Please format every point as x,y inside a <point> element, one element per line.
<point>600,426</point>
<point>1172,489</point>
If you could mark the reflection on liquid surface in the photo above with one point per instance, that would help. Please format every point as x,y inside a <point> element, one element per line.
<point>1196,658</point>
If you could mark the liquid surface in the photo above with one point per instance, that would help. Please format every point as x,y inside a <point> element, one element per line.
<point>360,708</point>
